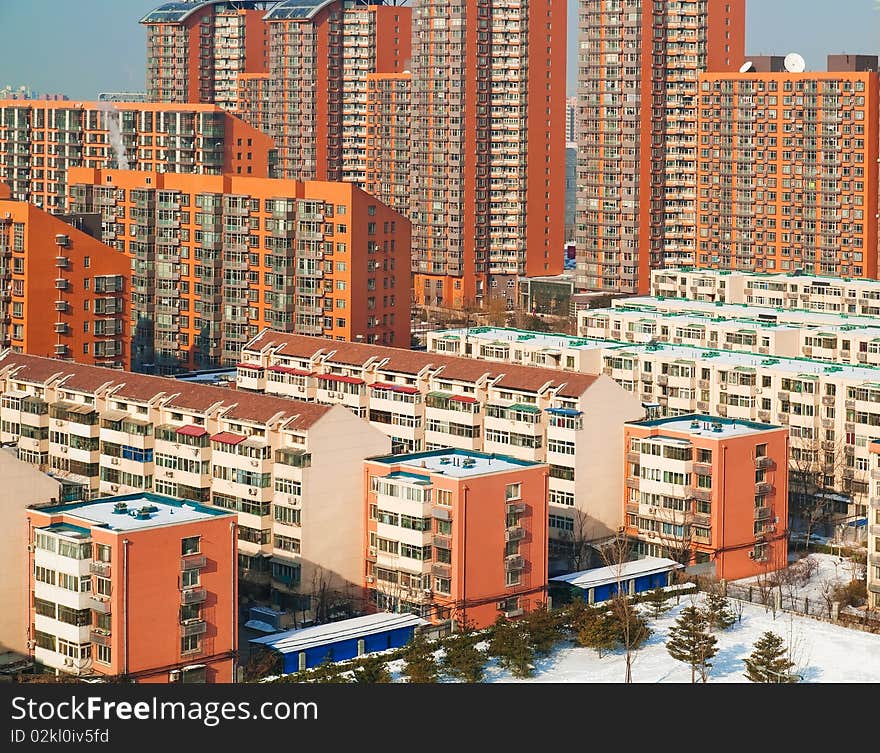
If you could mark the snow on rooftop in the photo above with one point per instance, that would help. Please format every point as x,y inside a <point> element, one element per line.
<point>456,463</point>
<point>599,576</point>
<point>710,426</point>
<point>163,511</point>
<point>333,632</point>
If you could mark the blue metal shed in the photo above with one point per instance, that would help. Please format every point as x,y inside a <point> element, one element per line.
<point>600,584</point>
<point>338,641</point>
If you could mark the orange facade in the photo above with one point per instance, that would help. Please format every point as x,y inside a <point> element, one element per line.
<point>487,189</point>
<point>637,205</point>
<point>388,128</point>
<point>715,488</point>
<point>216,259</point>
<point>63,293</point>
<point>154,598</point>
<point>40,141</point>
<point>788,172</point>
<point>450,541</point>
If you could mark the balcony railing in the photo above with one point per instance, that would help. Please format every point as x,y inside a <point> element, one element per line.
<point>762,513</point>
<point>100,568</point>
<point>514,562</point>
<point>100,637</point>
<point>193,562</point>
<point>704,495</point>
<point>99,605</point>
<point>763,487</point>
<point>514,533</point>
<point>763,462</point>
<point>441,570</point>
<point>193,596</point>
<point>193,627</point>
<point>443,542</point>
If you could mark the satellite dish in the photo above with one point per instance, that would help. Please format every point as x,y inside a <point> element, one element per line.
<point>794,63</point>
<point>747,67</point>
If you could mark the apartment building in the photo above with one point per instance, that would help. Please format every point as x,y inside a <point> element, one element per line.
<point>138,588</point>
<point>638,81</point>
<point>830,408</point>
<point>788,172</point>
<point>23,485</point>
<point>456,534</point>
<point>45,260</point>
<point>488,160</point>
<point>703,489</point>
<point>388,132</point>
<point>832,295</point>
<point>320,54</point>
<point>215,259</point>
<point>291,471</point>
<point>196,51</point>
<point>873,566</point>
<point>571,120</point>
<point>40,141</point>
<point>428,401</point>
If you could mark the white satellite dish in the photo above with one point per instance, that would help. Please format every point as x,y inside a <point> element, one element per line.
<point>747,67</point>
<point>794,63</point>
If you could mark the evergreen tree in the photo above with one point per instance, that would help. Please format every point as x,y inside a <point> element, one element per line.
<point>543,629</point>
<point>420,666</point>
<point>769,660</point>
<point>599,631</point>
<point>372,671</point>
<point>463,660</point>
<point>576,614</point>
<point>691,642</point>
<point>510,644</point>
<point>718,613</point>
<point>657,601</point>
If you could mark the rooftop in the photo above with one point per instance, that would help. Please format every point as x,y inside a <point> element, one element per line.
<point>699,424</point>
<point>775,276</point>
<point>599,576</point>
<point>454,463</point>
<point>549,341</point>
<point>177,12</point>
<point>157,510</point>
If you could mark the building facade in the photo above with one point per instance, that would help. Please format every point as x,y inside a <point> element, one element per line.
<point>488,160</point>
<point>216,259</point>
<point>388,132</point>
<point>638,95</point>
<point>873,565</point>
<point>703,489</point>
<point>138,587</point>
<point>429,401</point>
<point>456,534</point>
<point>41,141</point>
<point>63,293</point>
<point>788,172</point>
<point>292,471</point>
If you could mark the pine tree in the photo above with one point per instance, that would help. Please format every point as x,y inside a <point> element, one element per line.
<point>420,666</point>
<point>599,632</point>
<point>510,645</point>
<point>373,671</point>
<point>769,661</point>
<point>717,610</point>
<point>657,601</point>
<point>543,629</point>
<point>463,660</point>
<point>691,642</point>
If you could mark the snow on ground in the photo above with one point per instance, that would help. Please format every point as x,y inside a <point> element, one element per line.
<point>822,652</point>
<point>831,568</point>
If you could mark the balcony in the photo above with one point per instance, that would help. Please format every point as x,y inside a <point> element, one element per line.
<point>875,474</point>
<point>100,605</point>
<point>193,596</point>
<point>874,530</point>
<point>704,495</point>
<point>100,637</point>
<point>633,457</point>
<point>704,469</point>
<point>632,483</point>
<point>763,487</point>
<point>514,533</point>
<point>193,627</point>
<point>874,502</point>
<point>516,508</point>
<point>514,562</point>
<point>764,462</point>
<point>762,513</point>
<point>100,568</point>
<point>443,542</point>
<point>441,570</point>
<point>193,562</point>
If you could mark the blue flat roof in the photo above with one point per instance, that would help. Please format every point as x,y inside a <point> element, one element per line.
<point>449,462</point>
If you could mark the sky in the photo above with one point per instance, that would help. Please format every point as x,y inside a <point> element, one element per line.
<point>82,47</point>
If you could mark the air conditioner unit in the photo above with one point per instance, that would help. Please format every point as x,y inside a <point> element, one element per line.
<point>195,451</point>
<point>114,461</point>
<point>68,662</point>
<point>64,449</point>
<point>252,492</point>
<point>752,554</point>
<point>174,675</point>
<point>31,644</point>
<point>501,605</point>
<point>31,547</point>
<point>370,579</point>
<point>114,487</point>
<point>255,463</point>
<point>372,551</point>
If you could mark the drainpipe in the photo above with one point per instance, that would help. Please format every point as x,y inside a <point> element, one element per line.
<point>463,575</point>
<point>234,606</point>
<point>125,543</point>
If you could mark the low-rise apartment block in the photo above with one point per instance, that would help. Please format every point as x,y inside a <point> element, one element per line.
<point>291,470</point>
<point>841,295</point>
<point>63,294</point>
<point>456,534</point>
<point>137,588</point>
<point>873,567</point>
<point>830,409</point>
<point>40,141</point>
<point>426,401</point>
<point>707,490</point>
<point>215,259</point>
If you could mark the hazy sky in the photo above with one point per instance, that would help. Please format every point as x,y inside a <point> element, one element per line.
<point>81,47</point>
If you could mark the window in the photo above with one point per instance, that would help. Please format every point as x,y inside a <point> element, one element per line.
<point>190,612</point>
<point>103,654</point>
<point>189,644</point>
<point>513,578</point>
<point>102,586</point>
<point>189,578</point>
<point>102,552</point>
<point>190,545</point>
<point>513,491</point>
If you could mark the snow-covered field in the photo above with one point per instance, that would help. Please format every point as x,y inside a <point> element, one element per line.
<point>821,651</point>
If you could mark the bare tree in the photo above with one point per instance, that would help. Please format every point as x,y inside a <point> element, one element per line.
<point>580,542</point>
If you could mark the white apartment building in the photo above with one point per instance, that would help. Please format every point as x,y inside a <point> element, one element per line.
<point>291,470</point>
<point>789,291</point>
<point>425,401</point>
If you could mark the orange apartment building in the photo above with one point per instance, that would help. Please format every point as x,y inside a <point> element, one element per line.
<point>456,534</point>
<point>319,56</point>
<point>217,259</point>
<point>387,172</point>
<point>41,140</point>
<point>197,50</point>
<point>63,293</point>
<point>637,81</point>
<point>705,489</point>
<point>488,160</point>
<point>138,588</point>
<point>788,170</point>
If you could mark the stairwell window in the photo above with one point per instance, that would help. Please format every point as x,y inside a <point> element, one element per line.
<point>513,491</point>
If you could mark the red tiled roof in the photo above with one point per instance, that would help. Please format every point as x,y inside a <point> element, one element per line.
<point>395,388</point>
<point>464,399</point>
<point>227,437</point>
<point>192,431</point>
<point>254,366</point>
<point>289,370</point>
<point>340,378</point>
